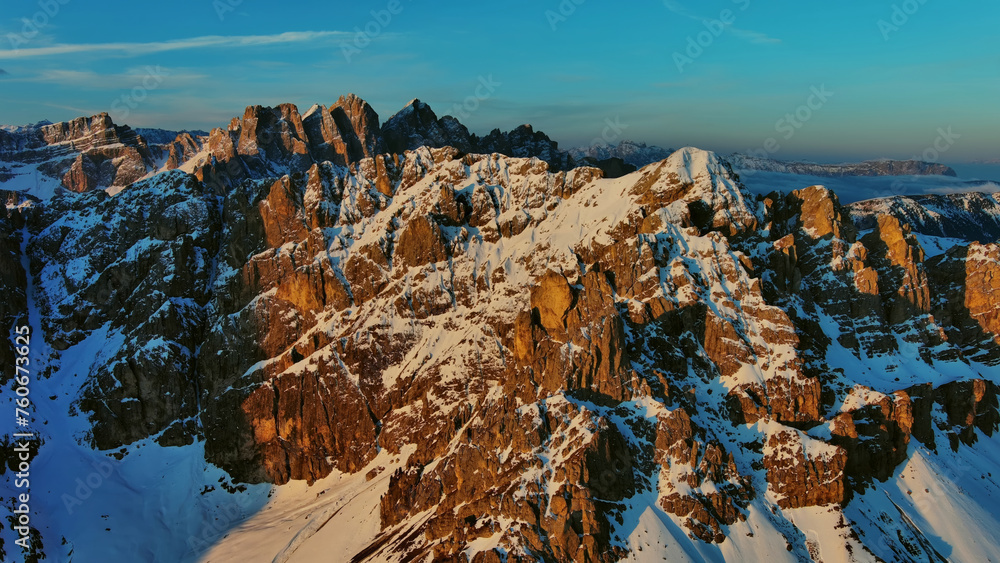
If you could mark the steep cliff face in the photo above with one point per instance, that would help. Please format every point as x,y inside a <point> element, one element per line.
<point>526,361</point>
<point>417,125</point>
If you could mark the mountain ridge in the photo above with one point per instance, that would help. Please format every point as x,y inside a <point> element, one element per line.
<point>30,161</point>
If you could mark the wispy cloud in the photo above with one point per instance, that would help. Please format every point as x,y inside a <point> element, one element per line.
<point>753,36</point>
<point>98,81</point>
<point>79,111</point>
<point>217,41</point>
<point>746,34</point>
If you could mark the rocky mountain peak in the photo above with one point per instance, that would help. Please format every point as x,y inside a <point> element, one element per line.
<point>417,125</point>
<point>700,186</point>
<point>264,142</point>
<point>359,127</point>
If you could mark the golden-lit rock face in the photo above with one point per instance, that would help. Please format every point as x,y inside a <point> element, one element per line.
<point>538,348</point>
<point>982,285</point>
<point>801,476</point>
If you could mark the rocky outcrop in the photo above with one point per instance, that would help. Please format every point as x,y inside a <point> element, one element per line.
<point>803,471</point>
<point>898,258</point>
<point>612,167</point>
<point>265,142</point>
<point>714,495</point>
<point>964,282</point>
<point>359,127</point>
<point>270,142</point>
<point>572,340</point>
<point>182,149</point>
<point>874,429</point>
<point>525,142</point>
<point>561,510</point>
<point>968,406</point>
<point>168,229</point>
<point>816,256</point>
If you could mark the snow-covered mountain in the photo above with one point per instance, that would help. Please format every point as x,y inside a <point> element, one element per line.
<point>300,345</point>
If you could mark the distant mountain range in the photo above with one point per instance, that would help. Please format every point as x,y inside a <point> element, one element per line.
<point>882,167</point>
<point>630,152</point>
<point>165,137</point>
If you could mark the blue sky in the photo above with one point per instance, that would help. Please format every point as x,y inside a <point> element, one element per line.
<point>727,75</point>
